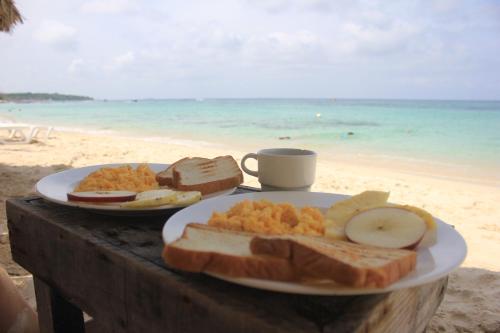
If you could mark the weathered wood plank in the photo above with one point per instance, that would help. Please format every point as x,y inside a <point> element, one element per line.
<point>111,268</point>
<point>55,314</point>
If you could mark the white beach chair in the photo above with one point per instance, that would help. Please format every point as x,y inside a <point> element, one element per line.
<point>20,133</point>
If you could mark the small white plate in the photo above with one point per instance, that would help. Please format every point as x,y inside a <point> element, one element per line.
<point>55,188</point>
<point>433,263</point>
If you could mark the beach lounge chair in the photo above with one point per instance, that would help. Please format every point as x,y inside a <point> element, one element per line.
<point>20,133</point>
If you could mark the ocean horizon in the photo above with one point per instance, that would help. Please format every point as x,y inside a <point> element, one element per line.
<point>460,133</point>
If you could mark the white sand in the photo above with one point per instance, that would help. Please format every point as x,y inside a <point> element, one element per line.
<point>472,302</point>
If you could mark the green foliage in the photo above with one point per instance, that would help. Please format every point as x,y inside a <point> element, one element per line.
<point>22,97</point>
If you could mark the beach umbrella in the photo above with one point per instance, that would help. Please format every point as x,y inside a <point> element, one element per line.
<point>9,15</point>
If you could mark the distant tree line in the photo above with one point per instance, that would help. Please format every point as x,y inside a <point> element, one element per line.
<point>20,97</point>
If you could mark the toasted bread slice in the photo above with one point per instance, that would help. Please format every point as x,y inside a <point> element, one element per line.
<point>207,176</point>
<point>343,262</point>
<point>210,249</point>
<point>166,177</point>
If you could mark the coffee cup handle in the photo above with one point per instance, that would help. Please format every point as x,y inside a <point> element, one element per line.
<point>247,170</point>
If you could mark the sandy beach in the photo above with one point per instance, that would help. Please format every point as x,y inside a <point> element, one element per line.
<point>472,301</point>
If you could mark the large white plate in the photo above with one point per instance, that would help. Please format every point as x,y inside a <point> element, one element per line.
<point>55,188</point>
<point>433,263</point>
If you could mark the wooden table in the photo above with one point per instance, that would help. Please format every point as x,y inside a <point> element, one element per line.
<point>111,268</point>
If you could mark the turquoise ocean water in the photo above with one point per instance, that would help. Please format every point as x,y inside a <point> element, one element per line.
<point>459,132</point>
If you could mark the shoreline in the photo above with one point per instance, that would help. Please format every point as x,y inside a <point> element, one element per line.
<point>486,176</point>
<point>407,135</point>
<point>428,168</point>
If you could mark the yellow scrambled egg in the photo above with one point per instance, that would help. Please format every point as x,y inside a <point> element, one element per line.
<point>123,178</point>
<point>269,218</point>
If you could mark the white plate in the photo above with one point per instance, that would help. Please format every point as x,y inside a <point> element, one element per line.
<point>433,263</point>
<point>55,188</point>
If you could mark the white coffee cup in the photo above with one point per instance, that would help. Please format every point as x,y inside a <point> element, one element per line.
<point>287,169</point>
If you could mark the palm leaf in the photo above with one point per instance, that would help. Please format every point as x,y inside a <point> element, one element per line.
<point>9,15</point>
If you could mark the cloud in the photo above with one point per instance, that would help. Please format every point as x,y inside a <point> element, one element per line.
<point>75,65</point>
<point>57,35</point>
<point>444,5</point>
<point>283,47</point>
<point>109,6</point>
<point>320,6</point>
<point>370,39</point>
<point>260,44</point>
<point>121,61</point>
<point>271,6</point>
<point>216,39</point>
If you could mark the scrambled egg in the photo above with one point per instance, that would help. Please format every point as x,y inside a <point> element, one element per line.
<point>123,178</point>
<point>269,218</point>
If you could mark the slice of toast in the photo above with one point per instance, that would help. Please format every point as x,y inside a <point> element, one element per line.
<point>166,177</point>
<point>343,262</point>
<point>203,248</point>
<point>207,176</point>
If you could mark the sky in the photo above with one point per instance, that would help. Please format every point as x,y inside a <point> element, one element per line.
<point>127,49</point>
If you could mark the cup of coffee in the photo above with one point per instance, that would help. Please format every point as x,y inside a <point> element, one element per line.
<point>283,169</point>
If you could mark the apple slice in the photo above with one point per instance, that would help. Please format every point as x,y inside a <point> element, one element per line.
<point>392,227</point>
<point>102,196</point>
<point>340,212</point>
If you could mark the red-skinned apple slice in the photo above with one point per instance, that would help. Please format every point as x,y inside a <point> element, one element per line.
<point>391,227</point>
<point>102,196</point>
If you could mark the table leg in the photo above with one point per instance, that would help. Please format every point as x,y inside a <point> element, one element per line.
<point>55,314</point>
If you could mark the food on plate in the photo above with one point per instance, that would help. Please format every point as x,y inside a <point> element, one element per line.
<point>204,248</point>
<point>391,227</point>
<point>373,245</point>
<point>430,236</point>
<point>377,227</point>
<point>355,265</point>
<point>340,212</point>
<point>166,177</point>
<point>121,178</point>
<point>187,197</point>
<point>156,198</point>
<point>102,196</point>
<point>270,218</point>
<point>187,180</point>
<point>202,174</point>
<point>151,198</point>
